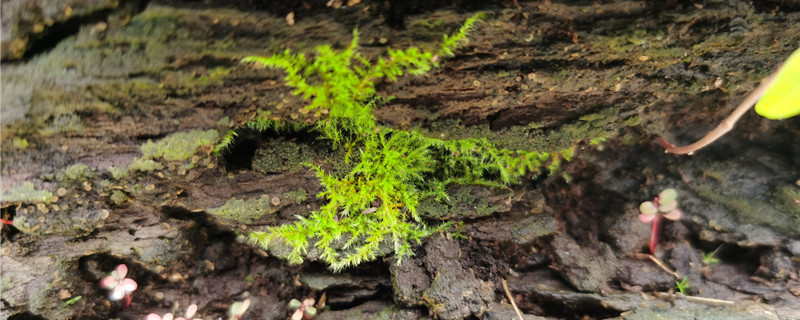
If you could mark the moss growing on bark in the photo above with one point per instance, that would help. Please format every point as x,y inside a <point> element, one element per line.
<point>372,206</point>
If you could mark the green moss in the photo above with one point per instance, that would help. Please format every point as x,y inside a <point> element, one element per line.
<point>373,200</point>
<point>178,146</point>
<point>183,83</point>
<point>26,193</point>
<point>20,144</point>
<point>144,165</point>
<point>753,211</point>
<point>175,147</point>
<point>297,196</point>
<point>224,122</point>
<point>597,125</point>
<point>118,173</point>
<point>242,211</point>
<point>63,123</point>
<point>786,199</point>
<point>459,203</point>
<point>283,156</point>
<point>78,172</point>
<point>118,197</point>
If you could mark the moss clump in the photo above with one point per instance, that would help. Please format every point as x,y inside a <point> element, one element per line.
<point>178,146</point>
<point>786,198</point>
<point>283,156</point>
<point>75,173</point>
<point>460,203</point>
<point>175,147</point>
<point>144,165</point>
<point>20,144</point>
<point>63,123</point>
<point>297,196</point>
<point>242,211</point>
<point>118,197</point>
<point>26,193</point>
<point>373,203</point>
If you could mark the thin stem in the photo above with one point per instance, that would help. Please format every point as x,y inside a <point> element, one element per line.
<point>664,295</point>
<point>511,299</point>
<point>727,124</point>
<point>659,263</point>
<point>655,230</point>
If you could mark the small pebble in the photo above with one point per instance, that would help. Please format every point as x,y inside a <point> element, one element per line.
<point>290,18</point>
<point>175,277</point>
<point>64,294</point>
<point>208,265</point>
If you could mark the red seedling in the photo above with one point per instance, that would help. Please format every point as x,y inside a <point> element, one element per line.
<point>120,286</point>
<point>666,206</point>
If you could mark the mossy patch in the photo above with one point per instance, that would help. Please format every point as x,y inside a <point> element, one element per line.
<point>753,211</point>
<point>179,146</point>
<point>786,198</point>
<point>118,197</point>
<point>44,220</point>
<point>596,125</point>
<point>242,211</point>
<point>78,172</point>
<point>26,193</point>
<point>283,156</point>
<point>296,196</point>
<point>460,203</point>
<point>62,123</point>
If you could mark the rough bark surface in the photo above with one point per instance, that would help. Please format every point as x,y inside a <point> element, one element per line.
<point>541,75</point>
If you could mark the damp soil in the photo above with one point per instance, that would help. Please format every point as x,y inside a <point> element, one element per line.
<point>611,77</point>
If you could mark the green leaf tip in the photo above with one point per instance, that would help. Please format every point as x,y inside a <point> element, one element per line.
<point>782,98</point>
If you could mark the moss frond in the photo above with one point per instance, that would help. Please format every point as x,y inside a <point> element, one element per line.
<point>455,41</point>
<point>371,209</point>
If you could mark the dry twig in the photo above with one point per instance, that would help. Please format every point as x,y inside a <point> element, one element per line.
<point>511,299</point>
<point>658,262</point>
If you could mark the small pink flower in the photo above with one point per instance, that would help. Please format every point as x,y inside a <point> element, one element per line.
<point>190,311</point>
<point>663,206</point>
<point>303,310</point>
<point>237,309</point>
<point>120,286</point>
